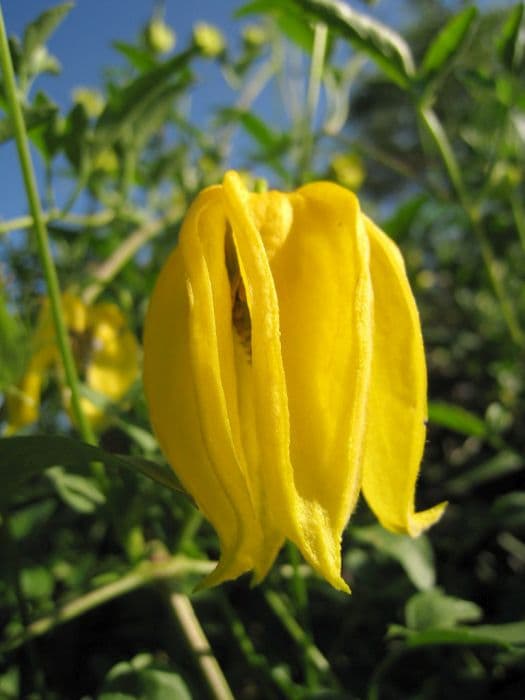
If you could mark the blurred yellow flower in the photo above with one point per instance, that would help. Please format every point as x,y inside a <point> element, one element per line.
<point>106,354</point>
<point>285,372</point>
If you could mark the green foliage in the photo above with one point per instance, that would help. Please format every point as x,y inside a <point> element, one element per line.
<point>98,564</point>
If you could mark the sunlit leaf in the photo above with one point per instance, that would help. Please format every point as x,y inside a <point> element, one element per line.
<point>127,102</point>
<point>38,31</point>
<point>383,44</point>
<point>138,58</point>
<point>446,46</point>
<point>414,555</point>
<point>34,116</point>
<point>509,41</point>
<point>456,418</point>
<point>434,609</point>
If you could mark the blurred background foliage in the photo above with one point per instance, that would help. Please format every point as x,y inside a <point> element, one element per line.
<point>98,568</point>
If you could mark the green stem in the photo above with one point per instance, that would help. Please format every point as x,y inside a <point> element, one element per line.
<point>200,647</point>
<point>142,575</point>
<point>316,71</point>
<point>107,270</point>
<point>307,122</point>
<point>100,218</point>
<point>298,634</point>
<point>42,238</point>
<point>300,595</point>
<point>518,212</point>
<point>434,127</point>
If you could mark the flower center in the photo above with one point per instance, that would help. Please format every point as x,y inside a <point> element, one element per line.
<point>241,320</point>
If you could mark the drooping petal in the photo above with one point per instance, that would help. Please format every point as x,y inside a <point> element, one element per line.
<point>23,402</point>
<point>315,287</point>
<point>397,409</point>
<point>187,324</point>
<point>322,279</point>
<point>113,364</point>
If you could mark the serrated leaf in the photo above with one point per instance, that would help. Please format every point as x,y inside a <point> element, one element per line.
<point>446,46</point>
<point>414,555</point>
<point>24,457</point>
<point>508,43</point>
<point>434,609</point>
<point>384,45</point>
<point>456,418</point>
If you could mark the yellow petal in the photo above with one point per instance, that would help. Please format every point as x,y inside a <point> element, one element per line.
<point>189,372</point>
<point>397,410</point>
<point>23,402</point>
<point>114,362</point>
<point>310,358</point>
<point>322,279</point>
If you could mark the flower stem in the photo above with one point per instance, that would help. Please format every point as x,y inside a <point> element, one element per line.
<point>42,237</point>
<point>434,127</point>
<point>142,575</point>
<point>200,647</point>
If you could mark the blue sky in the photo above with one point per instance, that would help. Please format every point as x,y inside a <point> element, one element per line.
<point>82,43</point>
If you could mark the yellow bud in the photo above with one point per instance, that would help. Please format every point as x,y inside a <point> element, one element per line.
<point>208,39</point>
<point>159,36</point>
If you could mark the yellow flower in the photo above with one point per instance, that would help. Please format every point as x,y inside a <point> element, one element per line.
<point>105,351</point>
<point>285,373</point>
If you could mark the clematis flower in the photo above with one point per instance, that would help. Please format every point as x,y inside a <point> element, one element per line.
<point>285,373</point>
<point>105,351</point>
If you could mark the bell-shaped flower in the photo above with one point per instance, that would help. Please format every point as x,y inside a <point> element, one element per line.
<point>285,373</point>
<point>106,354</point>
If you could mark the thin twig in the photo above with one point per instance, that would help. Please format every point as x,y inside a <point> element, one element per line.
<point>144,574</point>
<point>107,270</point>
<point>200,647</point>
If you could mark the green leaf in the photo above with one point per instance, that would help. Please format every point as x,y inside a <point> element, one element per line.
<point>141,679</point>
<point>37,32</point>
<point>434,609</point>
<point>384,45</point>
<point>297,30</point>
<point>509,510</point>
<point>24,457</point>
<point>508,44</point>
<point>35,116</point>
<point>414,555</point>
<point>506,636</point>
<point>129,101</point>
<point>398,225</point>
<point>79,492</point>
<point>456,418</point>
<point>501,465</point>
<point>138,58</point>
<point>260,131</point>
<point>446,46</point>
